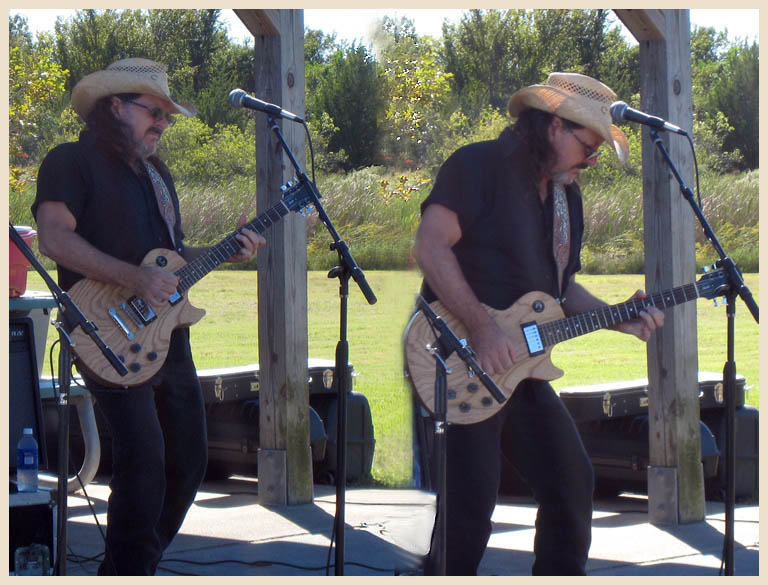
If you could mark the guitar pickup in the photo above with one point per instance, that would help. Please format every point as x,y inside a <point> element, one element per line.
<point>142,309</point>
<point>532,337</point>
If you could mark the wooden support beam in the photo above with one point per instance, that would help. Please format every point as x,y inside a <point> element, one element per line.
<point>675,443</point>
<point>260,22</point>
<point>285,461</point>
<point>645,25</point>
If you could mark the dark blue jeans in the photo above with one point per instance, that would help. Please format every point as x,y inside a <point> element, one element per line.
<point>159,455</point>
<point>539,437</point>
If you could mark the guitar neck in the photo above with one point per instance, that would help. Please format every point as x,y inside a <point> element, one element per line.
<point>195,270</point>
<point>559,330</point>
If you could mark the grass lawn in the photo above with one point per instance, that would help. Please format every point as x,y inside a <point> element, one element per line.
<point>227,336</point>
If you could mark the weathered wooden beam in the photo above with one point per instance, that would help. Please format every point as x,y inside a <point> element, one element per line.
<point>260,22</point>
<point>675,479</point>
<point>285,460</point>
<point>645,25</point>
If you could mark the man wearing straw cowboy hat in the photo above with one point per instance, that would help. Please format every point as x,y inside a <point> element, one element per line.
<point>102,204</point>
<point>504,218</point>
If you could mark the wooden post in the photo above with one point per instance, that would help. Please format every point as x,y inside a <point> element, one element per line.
<point>675,477</point>
<point>285,461</point>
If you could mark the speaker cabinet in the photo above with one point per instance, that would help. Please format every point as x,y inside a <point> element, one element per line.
<point>25,408</point>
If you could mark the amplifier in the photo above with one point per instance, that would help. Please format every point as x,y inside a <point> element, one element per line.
<point>32,521</point>
<point>24,389</point>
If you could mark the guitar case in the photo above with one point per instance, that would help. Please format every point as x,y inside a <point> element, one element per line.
<point>629,398</point>
<point>613,422</point>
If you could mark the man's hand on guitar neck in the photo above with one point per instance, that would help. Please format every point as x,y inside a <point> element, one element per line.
<point>579,299</point>
<point>642,327</point>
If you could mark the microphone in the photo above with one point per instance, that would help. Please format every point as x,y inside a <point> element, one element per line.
<point>239,99</point>
<point>620,112</point>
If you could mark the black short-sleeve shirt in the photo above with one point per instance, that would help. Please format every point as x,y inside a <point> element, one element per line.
<point>115,209</point>
<point>505,250</point>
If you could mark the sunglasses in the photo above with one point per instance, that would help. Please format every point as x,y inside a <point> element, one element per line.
<point>589,151</point>
<point>157,113</point>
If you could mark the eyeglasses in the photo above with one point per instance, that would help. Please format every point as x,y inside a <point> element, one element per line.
<point>589,151</point>
<point>157,113</point>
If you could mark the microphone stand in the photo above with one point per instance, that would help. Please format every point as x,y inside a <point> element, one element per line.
<point>736,287</point>
<point>68,307</point>
<point>347,268</point>
<point>445,345</point>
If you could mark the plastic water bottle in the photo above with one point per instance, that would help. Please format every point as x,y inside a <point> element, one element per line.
<point>26,465</point>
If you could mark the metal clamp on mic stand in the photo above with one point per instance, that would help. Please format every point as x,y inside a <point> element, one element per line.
<point>75,317</point>
<point>736,287</point>
<point>445,344</point>
<point>347,268</point>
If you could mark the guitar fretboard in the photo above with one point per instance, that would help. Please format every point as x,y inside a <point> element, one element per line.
<point>192,272</point>
<point>559,330</point>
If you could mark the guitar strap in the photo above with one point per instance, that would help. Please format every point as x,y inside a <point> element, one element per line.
<point>561,245</point>
<point>163,197</point>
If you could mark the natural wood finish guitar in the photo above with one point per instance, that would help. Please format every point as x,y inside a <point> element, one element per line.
<point>534,323</point>
<point>140,333</point>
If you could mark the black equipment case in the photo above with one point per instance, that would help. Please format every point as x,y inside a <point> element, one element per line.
<point>231,398</point>
<point>746,439</point>
<point>619,399</point>
<point>612,419</point>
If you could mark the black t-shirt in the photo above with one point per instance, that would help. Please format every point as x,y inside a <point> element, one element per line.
<point>115,209</point>
<point>505,250</point>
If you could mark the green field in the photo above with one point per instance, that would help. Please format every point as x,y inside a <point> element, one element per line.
<point>227,336</point>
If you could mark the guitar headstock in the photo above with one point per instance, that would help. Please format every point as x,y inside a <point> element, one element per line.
<point>712,284</point>
<point>297,197</point>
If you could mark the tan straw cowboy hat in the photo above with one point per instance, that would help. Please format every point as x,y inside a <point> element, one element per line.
<point>126,76</point>
<point>577,98</point>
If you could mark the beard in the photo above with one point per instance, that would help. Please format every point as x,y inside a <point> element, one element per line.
<point>144,150</point>
<point>563,178</point>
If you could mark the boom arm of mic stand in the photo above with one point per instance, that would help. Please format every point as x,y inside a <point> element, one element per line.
<point>69,307</point>
<point>734,276</point>
<point>451,343</point>
<point>347,261</point>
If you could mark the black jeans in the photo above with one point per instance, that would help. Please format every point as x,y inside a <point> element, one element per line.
<point>538,436</point>
<point>159,455</point>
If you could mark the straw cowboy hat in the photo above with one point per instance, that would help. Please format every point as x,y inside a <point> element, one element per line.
<point>126,76</point>
<point>577,98</point>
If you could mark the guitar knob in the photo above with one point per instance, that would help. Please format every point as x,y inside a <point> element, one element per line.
<point>135,348</point>
<point>538,306</point>
<point>152,356</point>
<point>161,261</point>
<point>472,388</point>
<point>465,407</point>
<point>134,367</point>
<point>451,394</point>
<point>486,401</point>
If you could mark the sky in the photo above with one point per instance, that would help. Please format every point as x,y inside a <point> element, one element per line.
<point>353,24</point>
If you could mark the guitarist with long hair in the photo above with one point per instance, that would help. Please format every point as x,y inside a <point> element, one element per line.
<point>504,218</point>
<point>103,203</point>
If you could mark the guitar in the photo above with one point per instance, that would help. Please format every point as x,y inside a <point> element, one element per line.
<point>535,323</point>
<point>138,333</point>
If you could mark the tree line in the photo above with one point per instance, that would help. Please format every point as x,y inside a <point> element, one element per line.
<point>403,102</point>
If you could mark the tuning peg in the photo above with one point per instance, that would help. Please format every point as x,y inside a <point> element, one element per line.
<point>715,302</point>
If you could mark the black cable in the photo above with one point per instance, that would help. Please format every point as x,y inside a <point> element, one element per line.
<point>262,563</point>
<point>55,390</point>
